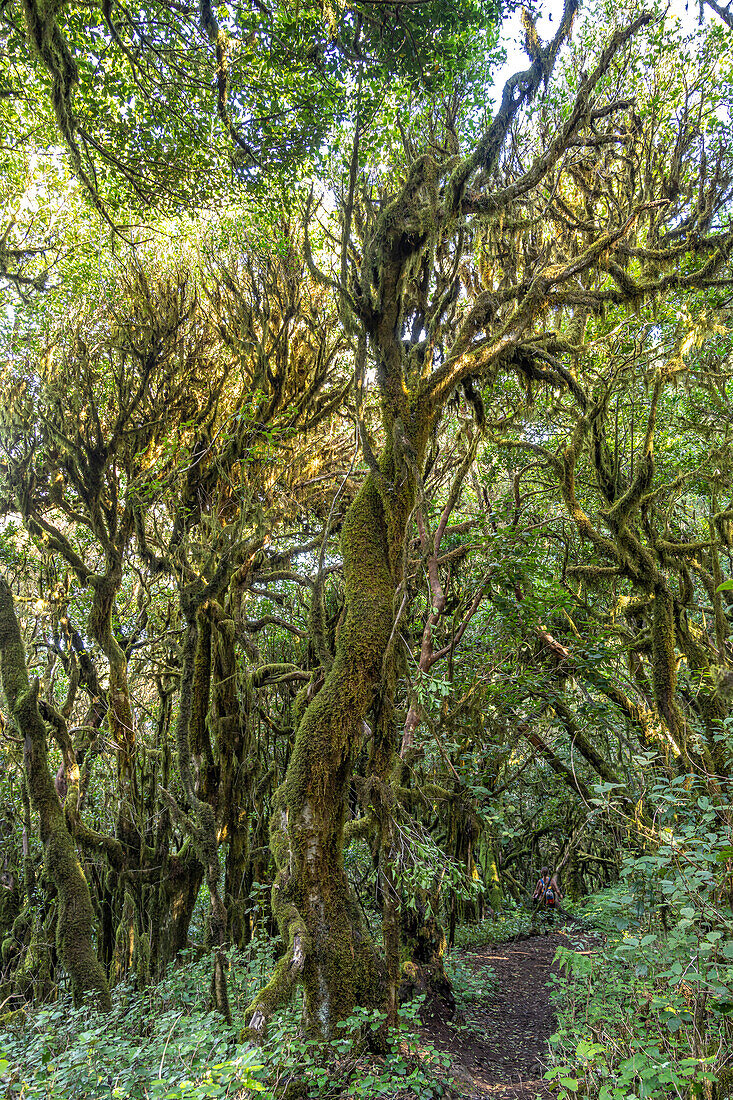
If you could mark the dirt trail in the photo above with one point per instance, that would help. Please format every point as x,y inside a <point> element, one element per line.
<point>503,1055</point>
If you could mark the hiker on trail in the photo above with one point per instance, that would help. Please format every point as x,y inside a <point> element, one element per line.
<point>555,886</point>
<point>543,884</point>
<point>547,894</point>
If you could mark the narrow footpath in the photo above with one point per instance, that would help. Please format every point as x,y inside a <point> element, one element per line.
<point>503,1052</point>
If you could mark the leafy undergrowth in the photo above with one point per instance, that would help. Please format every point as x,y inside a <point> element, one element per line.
<point>163,1043</point>
<point>510,924</point>
<point>411,1069</point>
<point>649,1013</point>
<point>470,985</point>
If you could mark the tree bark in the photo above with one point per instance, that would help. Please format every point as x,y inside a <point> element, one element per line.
<point>75,918</point>
<point>328,946</point>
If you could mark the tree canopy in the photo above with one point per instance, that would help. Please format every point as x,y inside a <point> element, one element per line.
<point>365,479</point>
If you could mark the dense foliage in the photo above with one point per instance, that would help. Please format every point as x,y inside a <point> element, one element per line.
<point>366,539</point>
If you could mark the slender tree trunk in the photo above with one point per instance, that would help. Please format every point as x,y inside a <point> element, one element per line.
<point>181,891</point>
<point>75,917</point>
<point>119,713</point>
<point>200,820</point>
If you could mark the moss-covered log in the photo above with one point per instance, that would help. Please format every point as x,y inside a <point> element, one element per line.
<point>75,918</point>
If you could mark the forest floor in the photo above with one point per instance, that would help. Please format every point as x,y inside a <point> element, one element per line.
<point>499,1049</point>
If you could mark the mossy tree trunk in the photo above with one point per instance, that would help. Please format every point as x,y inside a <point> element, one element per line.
<point>76,916</point>
<point>328,946</point>
<point>199,817</point>
<point>230,722</point>
<point>119,714</point>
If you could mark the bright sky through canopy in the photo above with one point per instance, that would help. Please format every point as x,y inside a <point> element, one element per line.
<point>687,13</point>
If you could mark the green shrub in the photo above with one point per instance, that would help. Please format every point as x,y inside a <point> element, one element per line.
<point>165,1044</point>
<point>508,925</point>
<point>650,1013</point>
<point>409,1068</point>
<point>160,1044</point>
<point>470,984</point>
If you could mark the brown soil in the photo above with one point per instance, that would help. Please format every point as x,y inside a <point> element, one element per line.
<point>503,1052</point>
